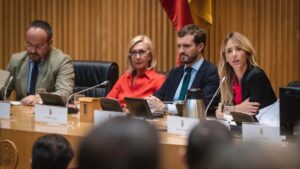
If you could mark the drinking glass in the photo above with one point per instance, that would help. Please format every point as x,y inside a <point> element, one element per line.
<point>76,99</point>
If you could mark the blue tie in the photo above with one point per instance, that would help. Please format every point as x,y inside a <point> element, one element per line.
<point>185,83</point>
<point>34,75</point>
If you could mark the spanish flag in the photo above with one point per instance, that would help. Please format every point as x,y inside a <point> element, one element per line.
<point>183,12</point>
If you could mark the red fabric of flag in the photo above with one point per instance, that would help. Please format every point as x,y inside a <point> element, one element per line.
<point>178,11</point>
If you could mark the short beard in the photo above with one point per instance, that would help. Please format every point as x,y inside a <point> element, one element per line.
<point>190,60</point>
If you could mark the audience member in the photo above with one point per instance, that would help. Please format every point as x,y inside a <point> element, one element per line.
<point>140,80</point>
<point>254,155</point>
<point>205,139</point>
<point>40,66</point>
<point>195,72</point>
<point>120,143</point>
<point>246,87</point>
<point>51,151</point>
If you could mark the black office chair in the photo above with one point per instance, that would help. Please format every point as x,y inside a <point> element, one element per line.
<point>294,84</point>
<point>91,73</point>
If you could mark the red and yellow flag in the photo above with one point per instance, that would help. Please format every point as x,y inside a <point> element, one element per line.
<point>183,12</point>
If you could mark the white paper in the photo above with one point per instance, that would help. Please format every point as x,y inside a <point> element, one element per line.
<point>4,110</point>
<point>269,115</point>
<point>15,103</point>
<point>51,114</point>
<point>101,116</point>
<point>180,125</point>
<point>260,132</point>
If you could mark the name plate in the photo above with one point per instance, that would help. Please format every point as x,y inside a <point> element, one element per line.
<point>180,125</point>
<point>260,132</point>
<point>100,115</point>
<point>51,114</point>
<point>4,110</point>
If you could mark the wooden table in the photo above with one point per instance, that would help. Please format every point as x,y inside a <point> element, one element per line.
<point>22,131</point>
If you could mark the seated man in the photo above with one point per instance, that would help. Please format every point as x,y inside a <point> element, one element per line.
<point>51,151</point>
<point>120,143</point>
<point>40,66</point>
<point>194,72</point>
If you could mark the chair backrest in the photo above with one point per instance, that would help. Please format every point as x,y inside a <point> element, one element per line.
<point>295,83</point>
<point>91,73</point>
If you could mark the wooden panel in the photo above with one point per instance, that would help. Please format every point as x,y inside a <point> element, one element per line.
<point>101,30</point>
<point>273,28</point>
<point>91,29</point>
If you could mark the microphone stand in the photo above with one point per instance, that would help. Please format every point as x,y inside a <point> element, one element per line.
<point>87,89</point>
<point>6,87</point>
<point>215,94</point>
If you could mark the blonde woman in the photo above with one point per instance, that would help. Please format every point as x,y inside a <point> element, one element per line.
<point>140,80</point>
<point>246,87</point>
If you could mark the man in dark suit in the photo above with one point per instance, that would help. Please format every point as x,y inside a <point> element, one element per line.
<point>194,72</point>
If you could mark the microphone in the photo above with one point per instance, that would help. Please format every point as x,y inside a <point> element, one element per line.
<point>87,89</point>
<point>223,79</point>
<point>6,87</point>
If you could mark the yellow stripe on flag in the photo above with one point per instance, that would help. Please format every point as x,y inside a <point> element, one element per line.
<point>201,11</point>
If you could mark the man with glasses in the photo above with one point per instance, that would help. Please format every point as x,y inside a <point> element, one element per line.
<point>40,66</point>
<point>194,72</point>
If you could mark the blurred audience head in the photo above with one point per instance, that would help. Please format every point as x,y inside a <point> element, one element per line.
<point>204,140</point>
<point>141,54</point>
<point>255,155</point>
<point>120,143</point>
<point>51,151</point>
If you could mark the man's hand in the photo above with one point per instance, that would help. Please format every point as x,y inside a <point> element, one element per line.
<point>154,103</point>
<point>30,100</point>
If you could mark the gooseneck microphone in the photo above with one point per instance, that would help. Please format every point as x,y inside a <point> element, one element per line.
<point>215,94</point>
<point>105,83</point>
<point>6,87</point>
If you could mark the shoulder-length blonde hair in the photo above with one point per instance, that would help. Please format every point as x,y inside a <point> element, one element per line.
<point>146,40</point>
<point>225,70</point>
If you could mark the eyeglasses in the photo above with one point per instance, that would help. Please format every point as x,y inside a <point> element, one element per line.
<point>30,46</point>
<point>138,52</point>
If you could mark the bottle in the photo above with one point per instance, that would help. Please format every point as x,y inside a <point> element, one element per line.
<point>193,106</point>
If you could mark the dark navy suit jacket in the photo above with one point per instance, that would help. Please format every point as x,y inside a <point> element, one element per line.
<point>207,79</point>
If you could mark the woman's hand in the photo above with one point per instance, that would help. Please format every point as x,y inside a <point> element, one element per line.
<point>248,107</point>
<point>219,113</point>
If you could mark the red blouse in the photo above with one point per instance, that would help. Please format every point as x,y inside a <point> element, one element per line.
<point>144,85</point>
<point>237,92</point>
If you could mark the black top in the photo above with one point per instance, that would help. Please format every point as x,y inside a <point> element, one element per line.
<point>257,87</point>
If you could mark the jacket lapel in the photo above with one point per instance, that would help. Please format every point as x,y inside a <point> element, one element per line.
<point>42,71</point>
<point>198,79</point>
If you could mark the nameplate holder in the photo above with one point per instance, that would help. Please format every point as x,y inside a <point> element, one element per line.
<point>261,133</point>
<point>101,116</point>
<point>5,110</point>
<point>180,125</point>
<point>51,114</point>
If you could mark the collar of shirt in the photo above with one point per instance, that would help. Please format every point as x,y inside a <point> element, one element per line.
<point>149,73</point>
<point>196,66</point>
